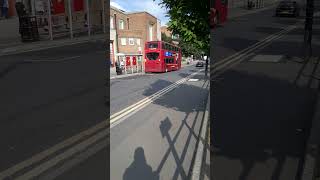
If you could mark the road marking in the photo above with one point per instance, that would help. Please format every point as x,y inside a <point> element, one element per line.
<point>68,153</point>
<point>81,138</point>
<point>53,60</point>
<point>38,157</point>
<point>255,46</point>
<point>248,51</point>
<point>197,167</point>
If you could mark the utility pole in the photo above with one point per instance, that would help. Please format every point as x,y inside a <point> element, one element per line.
<point>308,28</point>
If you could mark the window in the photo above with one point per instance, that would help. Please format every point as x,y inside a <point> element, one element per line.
<point>121,24</point>
<point>111,22</point>
<point>138,42</point>
<point>131,41</point>
<point>123,41</point>
<point>152,45</point>
<point>224,2</point>
<point>169,60</point>
<point>152,56</point>
<point>150,32</point>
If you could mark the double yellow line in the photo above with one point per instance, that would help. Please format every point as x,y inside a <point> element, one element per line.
<point>85,139</point>
<point>239,56</point>
<point>123,114</point>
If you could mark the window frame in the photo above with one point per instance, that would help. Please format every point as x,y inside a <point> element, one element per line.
<point>125,41</point>
<point>132,41</point>
<point>139,44</point>
<point>111,22</point>
<point>121,22</point>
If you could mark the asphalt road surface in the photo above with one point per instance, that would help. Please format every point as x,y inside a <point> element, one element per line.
<point>261,115</point>
<point>54,121</point>
<point>48,96</point>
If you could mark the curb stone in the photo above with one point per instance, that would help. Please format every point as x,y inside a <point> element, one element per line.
<point>42,45</point>
<point>313,145</point>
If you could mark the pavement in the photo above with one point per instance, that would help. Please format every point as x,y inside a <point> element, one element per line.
<point>261,117</point>
<point>10,40</point>
<point>170,123</point>
<point>238,11</point>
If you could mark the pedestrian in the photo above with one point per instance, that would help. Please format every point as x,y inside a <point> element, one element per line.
<point>5,7</point>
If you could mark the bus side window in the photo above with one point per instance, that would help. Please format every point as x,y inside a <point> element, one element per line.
<point>162,45</point>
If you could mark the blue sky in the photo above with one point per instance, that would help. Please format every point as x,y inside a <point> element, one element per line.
<point>150,6</point>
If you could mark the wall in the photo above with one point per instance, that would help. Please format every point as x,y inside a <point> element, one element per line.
<point>130,49</point>
<point>140,21</point>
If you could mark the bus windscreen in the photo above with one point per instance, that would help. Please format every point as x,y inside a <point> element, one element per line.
<point>152,56</point>
<point>152,45</point>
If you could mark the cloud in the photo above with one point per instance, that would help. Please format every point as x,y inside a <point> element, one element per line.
<point>114,4</point>
<point>149,6</point>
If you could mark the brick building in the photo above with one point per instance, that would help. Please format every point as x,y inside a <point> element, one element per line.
<point>129,32</point>
<point>167,32</point>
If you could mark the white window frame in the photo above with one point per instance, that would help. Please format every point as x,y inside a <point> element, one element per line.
<point>111,22</point>
<point>138,40</point>
<point>121,24</point>
<point>123,41</point>
<point>131,41</point>
<point>150,32</point>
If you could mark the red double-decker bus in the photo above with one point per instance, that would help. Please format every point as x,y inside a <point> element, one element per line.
<point>161,56</point>
<point>218,12</point>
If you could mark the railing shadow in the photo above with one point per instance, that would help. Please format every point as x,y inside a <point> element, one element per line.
<point>166,126</point>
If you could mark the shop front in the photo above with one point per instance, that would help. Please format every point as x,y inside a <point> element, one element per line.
<point>131,63</point>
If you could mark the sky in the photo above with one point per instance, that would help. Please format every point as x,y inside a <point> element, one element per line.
<point>149,6</point>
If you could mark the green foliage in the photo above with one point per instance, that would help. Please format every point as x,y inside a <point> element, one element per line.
<point>189,19</point>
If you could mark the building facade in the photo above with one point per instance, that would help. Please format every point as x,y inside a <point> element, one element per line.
<point>129,32</point>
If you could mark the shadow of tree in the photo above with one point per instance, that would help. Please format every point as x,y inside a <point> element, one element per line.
<point>270,120</point>
<point>184,104</point>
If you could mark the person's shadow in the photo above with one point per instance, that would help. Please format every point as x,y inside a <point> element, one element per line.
<point>139,169</point>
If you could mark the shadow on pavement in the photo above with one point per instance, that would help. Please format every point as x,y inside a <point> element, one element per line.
<point>260,122</point>
<point>196,94</point>
<point>139,168</point>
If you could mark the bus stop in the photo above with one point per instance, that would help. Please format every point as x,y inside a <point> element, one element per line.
<point>68,18</point>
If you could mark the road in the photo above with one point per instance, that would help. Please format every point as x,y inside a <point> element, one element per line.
<point>54,124</point>
<point>159,140</point>
<point>48,96</point>
<point>261,116</point>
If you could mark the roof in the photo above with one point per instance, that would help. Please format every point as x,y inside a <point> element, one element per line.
<point>139,12</point>
<point>117,9</point>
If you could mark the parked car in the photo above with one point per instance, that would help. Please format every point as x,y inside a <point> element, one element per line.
<point>288,8</point>
<point>200,64</point>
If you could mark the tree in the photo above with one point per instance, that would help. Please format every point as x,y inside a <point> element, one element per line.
<point>186,47</point>
<point>189,19</point>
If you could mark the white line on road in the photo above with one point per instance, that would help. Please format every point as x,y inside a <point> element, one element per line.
<point>197,167</point>
<point>53,60</point>
<point>114,120</point>
<point>68,153</point>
